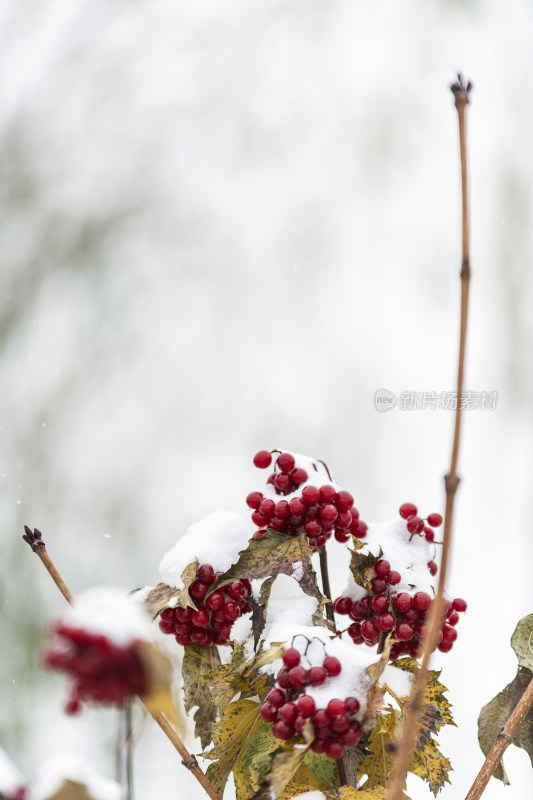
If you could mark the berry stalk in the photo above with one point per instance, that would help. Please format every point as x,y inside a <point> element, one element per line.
<point>34,539</point>
<point>404,755</point>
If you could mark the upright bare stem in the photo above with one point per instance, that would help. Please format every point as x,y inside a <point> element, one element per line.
<point>503,740</point>
<point>125,752</point>
<point>451,481</point>
<point>326,589</point>
<point>33,538</point>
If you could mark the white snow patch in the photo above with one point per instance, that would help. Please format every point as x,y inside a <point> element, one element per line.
<point>399,680</point>
<point>70,766</point>
<point>111,612</point>
<point>241,633</point>
<point>285,614</point>
<point>256,585</point>
<point>407,556</point>
<point>216,539</point>
<point>11,778</point>
<point>297,571</point>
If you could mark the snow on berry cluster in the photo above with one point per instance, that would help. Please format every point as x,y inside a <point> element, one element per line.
<point>288,705</point>
<point>300,497</point>
<point>96,645</point>
<point>400,590</point>
<point>210,624</point>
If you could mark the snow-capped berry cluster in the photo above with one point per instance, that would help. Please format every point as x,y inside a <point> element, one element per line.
<point>102,671</point>
<point>417,525</point>
<point>317,511</point>
<point>211,623</point>
<point>288,707</point>
<point>400,613</point>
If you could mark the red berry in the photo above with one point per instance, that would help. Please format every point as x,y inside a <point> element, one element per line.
<point>336,708</point>
<point>360,530</point>
<point>231,610</point>
<point>459,604</point>
<point>317,746</point>
<point>333,748</point>
<point>313,527</point>
<point>259,519</point>
<point>254,500</point>
<point>369,630</point>
<point>276,697</point>
<point>282,730</point>
<point>344,520</point>
<point>352,736</point>
<point>402,601</point>
<point>408,510</point>
<point>352,705</point>
<point>165,626</point>
<point>310,495</point>
<point>259,534</point>
<point>432,567</point>
<point>289,712</point>
<point>73,707</point>
<point>393,578</point>
<point>198,590</point>
<point>286,462</point>
<point>453,619</point>
<point>283,679</point>
<point>415,525</point>
<point>298,676</point>
<point>380,603</point>
<point>342,605</point>
<point>404,631</point>
<point>291,657</point>
<point>434,520</point>
<point>449,634</point>
<point>282,482</point>
<point>199,636</point>
<point>297,506</point>
<point>206,574</point>
<point>306,705</point>
<point>386,622</point>
<point>299,723</point>
<point>317,676</point>
<point>299,476</point>
<point>236,590</point>
<point>378,585</point>
<point>341,536</point>
<point>215,601</point>
<point>327,494</point>
<point>340,724</point>
<point>320,718</point>
<point>268,712</point>
<point>328,513</point>
<point>344,501</point>
<point>282,509</point>
<point>262,459</point>
<point>184,614</point>
<point>429,534</point>
<point>332,666</point>
<point>268,507</point>
<point>445,647</point>
<point>200,618</point>
<point>421,601</point>
<point>382,568</point>
<point>354,631</point>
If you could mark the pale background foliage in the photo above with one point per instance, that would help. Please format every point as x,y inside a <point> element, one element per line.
<point>224,225</point>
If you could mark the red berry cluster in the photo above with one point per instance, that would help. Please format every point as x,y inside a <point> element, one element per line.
<point>211,623</point>
<point>103,672</point>
<point>317,512</point>
<point>288,708</point>
<point>399,613</point>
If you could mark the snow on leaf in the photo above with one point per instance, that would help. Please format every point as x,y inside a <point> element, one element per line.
<point>522,642</point>
<point>362,567</point>
<point>163,596</point>
<point>265,657</point>
<point>231,738</point>
<point>274,554</point>
<point>259,608</point>
<point>198,662</point>
<point>495,714</point>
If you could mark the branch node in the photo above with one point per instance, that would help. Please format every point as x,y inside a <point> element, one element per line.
<point>190,763</point>
<point>33,538</point>
<point>451,483</point>
<point>465,268</point>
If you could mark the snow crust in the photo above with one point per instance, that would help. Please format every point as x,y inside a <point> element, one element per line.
<point>216,539</point>
<point>70,766</point>
<point>398,680</point>
<point>289,620</point>
<point>111,612</point>
<point>11,778</point>
<point>408,556</point>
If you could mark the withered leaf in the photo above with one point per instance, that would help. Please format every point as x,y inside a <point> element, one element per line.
<point>198,662</point>
<point>362,567</point>
<point>162,596</point>
<point>259,608</point>
<point>522,642</point>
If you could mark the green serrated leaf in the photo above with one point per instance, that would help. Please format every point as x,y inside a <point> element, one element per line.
<point>198,662</point>
<point>323,768</point>
<point>284,768</point>
<point>275,554</point>
<point>495,714</point>
<point>258,756</point>
<point>224,680</point>
<point>522,642</point>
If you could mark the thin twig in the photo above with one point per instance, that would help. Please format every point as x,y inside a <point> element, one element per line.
<point>34,539</point>
<point>503,740</point>
<point>326,591</point>
<point>414,706</point>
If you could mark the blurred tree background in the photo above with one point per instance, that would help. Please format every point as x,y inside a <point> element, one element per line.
<point>223,227</point>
